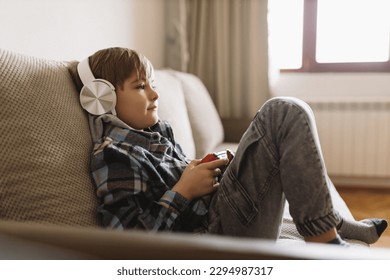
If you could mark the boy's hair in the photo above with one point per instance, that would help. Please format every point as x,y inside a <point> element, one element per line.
<point>115,65</point>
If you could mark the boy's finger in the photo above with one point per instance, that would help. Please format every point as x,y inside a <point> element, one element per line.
<point>216,163</point>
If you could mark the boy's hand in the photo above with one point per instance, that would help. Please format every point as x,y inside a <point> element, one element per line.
<point>199,179</point>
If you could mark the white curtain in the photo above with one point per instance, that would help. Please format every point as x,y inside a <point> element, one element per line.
<point>224,43</point>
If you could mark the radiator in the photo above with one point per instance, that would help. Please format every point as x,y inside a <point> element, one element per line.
<point>355,139</point>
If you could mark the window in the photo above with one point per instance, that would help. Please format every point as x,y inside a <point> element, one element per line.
<point>330,35</point>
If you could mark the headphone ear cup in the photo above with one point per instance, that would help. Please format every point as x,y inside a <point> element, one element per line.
<point>98,97</point>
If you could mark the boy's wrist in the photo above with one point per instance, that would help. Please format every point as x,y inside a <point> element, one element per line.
<point>180,189</point>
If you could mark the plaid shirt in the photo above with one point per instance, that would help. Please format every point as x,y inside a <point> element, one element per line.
<point>134,172</point>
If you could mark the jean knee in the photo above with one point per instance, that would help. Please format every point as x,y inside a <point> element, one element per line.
<point>284,102</point>
<point>288,101</point>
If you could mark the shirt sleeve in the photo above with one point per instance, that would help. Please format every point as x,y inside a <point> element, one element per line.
<point>161,215</point>
<point>164,213</point>
<point>175,201</point>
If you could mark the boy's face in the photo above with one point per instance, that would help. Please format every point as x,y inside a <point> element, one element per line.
<point>137,102</point>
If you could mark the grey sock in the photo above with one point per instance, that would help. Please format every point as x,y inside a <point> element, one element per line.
<point>367,230</point>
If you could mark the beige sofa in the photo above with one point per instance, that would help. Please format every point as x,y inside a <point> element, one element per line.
<point>47,200</point>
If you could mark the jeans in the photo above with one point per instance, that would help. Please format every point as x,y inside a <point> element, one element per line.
<point>279,157</point>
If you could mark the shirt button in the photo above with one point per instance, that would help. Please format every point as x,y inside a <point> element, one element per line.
<point>155,137</point>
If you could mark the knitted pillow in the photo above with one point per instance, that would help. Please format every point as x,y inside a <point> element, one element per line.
<point>45,145</point>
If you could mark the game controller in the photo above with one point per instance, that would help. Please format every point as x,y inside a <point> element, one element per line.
<point>219,155</point>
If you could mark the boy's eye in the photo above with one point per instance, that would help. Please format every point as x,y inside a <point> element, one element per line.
<point>141,86</point>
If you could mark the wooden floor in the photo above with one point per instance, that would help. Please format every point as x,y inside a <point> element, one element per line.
<point>369,203</point>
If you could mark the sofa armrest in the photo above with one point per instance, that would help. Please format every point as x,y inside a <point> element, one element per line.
<point>98,243</point>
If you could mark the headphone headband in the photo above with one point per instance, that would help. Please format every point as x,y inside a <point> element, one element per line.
<point>85,72</point>
<point>97,96</point>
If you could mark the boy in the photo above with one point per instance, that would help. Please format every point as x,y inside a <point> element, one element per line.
<point>145,181</point>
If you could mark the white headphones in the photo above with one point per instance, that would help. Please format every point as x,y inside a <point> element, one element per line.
<point>97,96</point>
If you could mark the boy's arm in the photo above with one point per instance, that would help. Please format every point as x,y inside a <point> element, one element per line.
<point>127,199</point>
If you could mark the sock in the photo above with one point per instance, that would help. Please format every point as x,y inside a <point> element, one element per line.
<point>367,230</point>
<point>338,241</point>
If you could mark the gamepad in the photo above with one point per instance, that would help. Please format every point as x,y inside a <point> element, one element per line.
<point>209,157</point>
<point>219,155</point>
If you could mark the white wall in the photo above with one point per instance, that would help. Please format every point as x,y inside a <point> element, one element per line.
<point>74,29</point>
<point>332,86</point>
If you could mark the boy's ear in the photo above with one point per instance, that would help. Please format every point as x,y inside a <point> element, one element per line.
<point>97,96</point>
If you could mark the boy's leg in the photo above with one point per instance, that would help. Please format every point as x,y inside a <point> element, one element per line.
<point>278,155</point>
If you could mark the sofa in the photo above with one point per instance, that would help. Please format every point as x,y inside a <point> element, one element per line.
<point>47,199</point>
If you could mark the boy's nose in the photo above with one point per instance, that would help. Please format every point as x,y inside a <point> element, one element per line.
<point>154,94</point>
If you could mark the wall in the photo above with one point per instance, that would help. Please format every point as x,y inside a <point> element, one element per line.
<point>332,86</point>
<point>73,29</point>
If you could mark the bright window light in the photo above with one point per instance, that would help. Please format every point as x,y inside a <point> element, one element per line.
<point>353,31</point>
<point>285,19</point>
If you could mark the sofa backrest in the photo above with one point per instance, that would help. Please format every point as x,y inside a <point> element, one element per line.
<point>172,108</point>
<point>187,105</point>
<point>45,145</point>
<point>205,121</point>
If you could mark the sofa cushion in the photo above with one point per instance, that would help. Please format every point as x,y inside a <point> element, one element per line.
<point>172,108</point>
<point>205,122</point>
<point>45,145</point>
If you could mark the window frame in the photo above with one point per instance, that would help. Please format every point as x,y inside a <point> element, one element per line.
<point>309,63</point>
